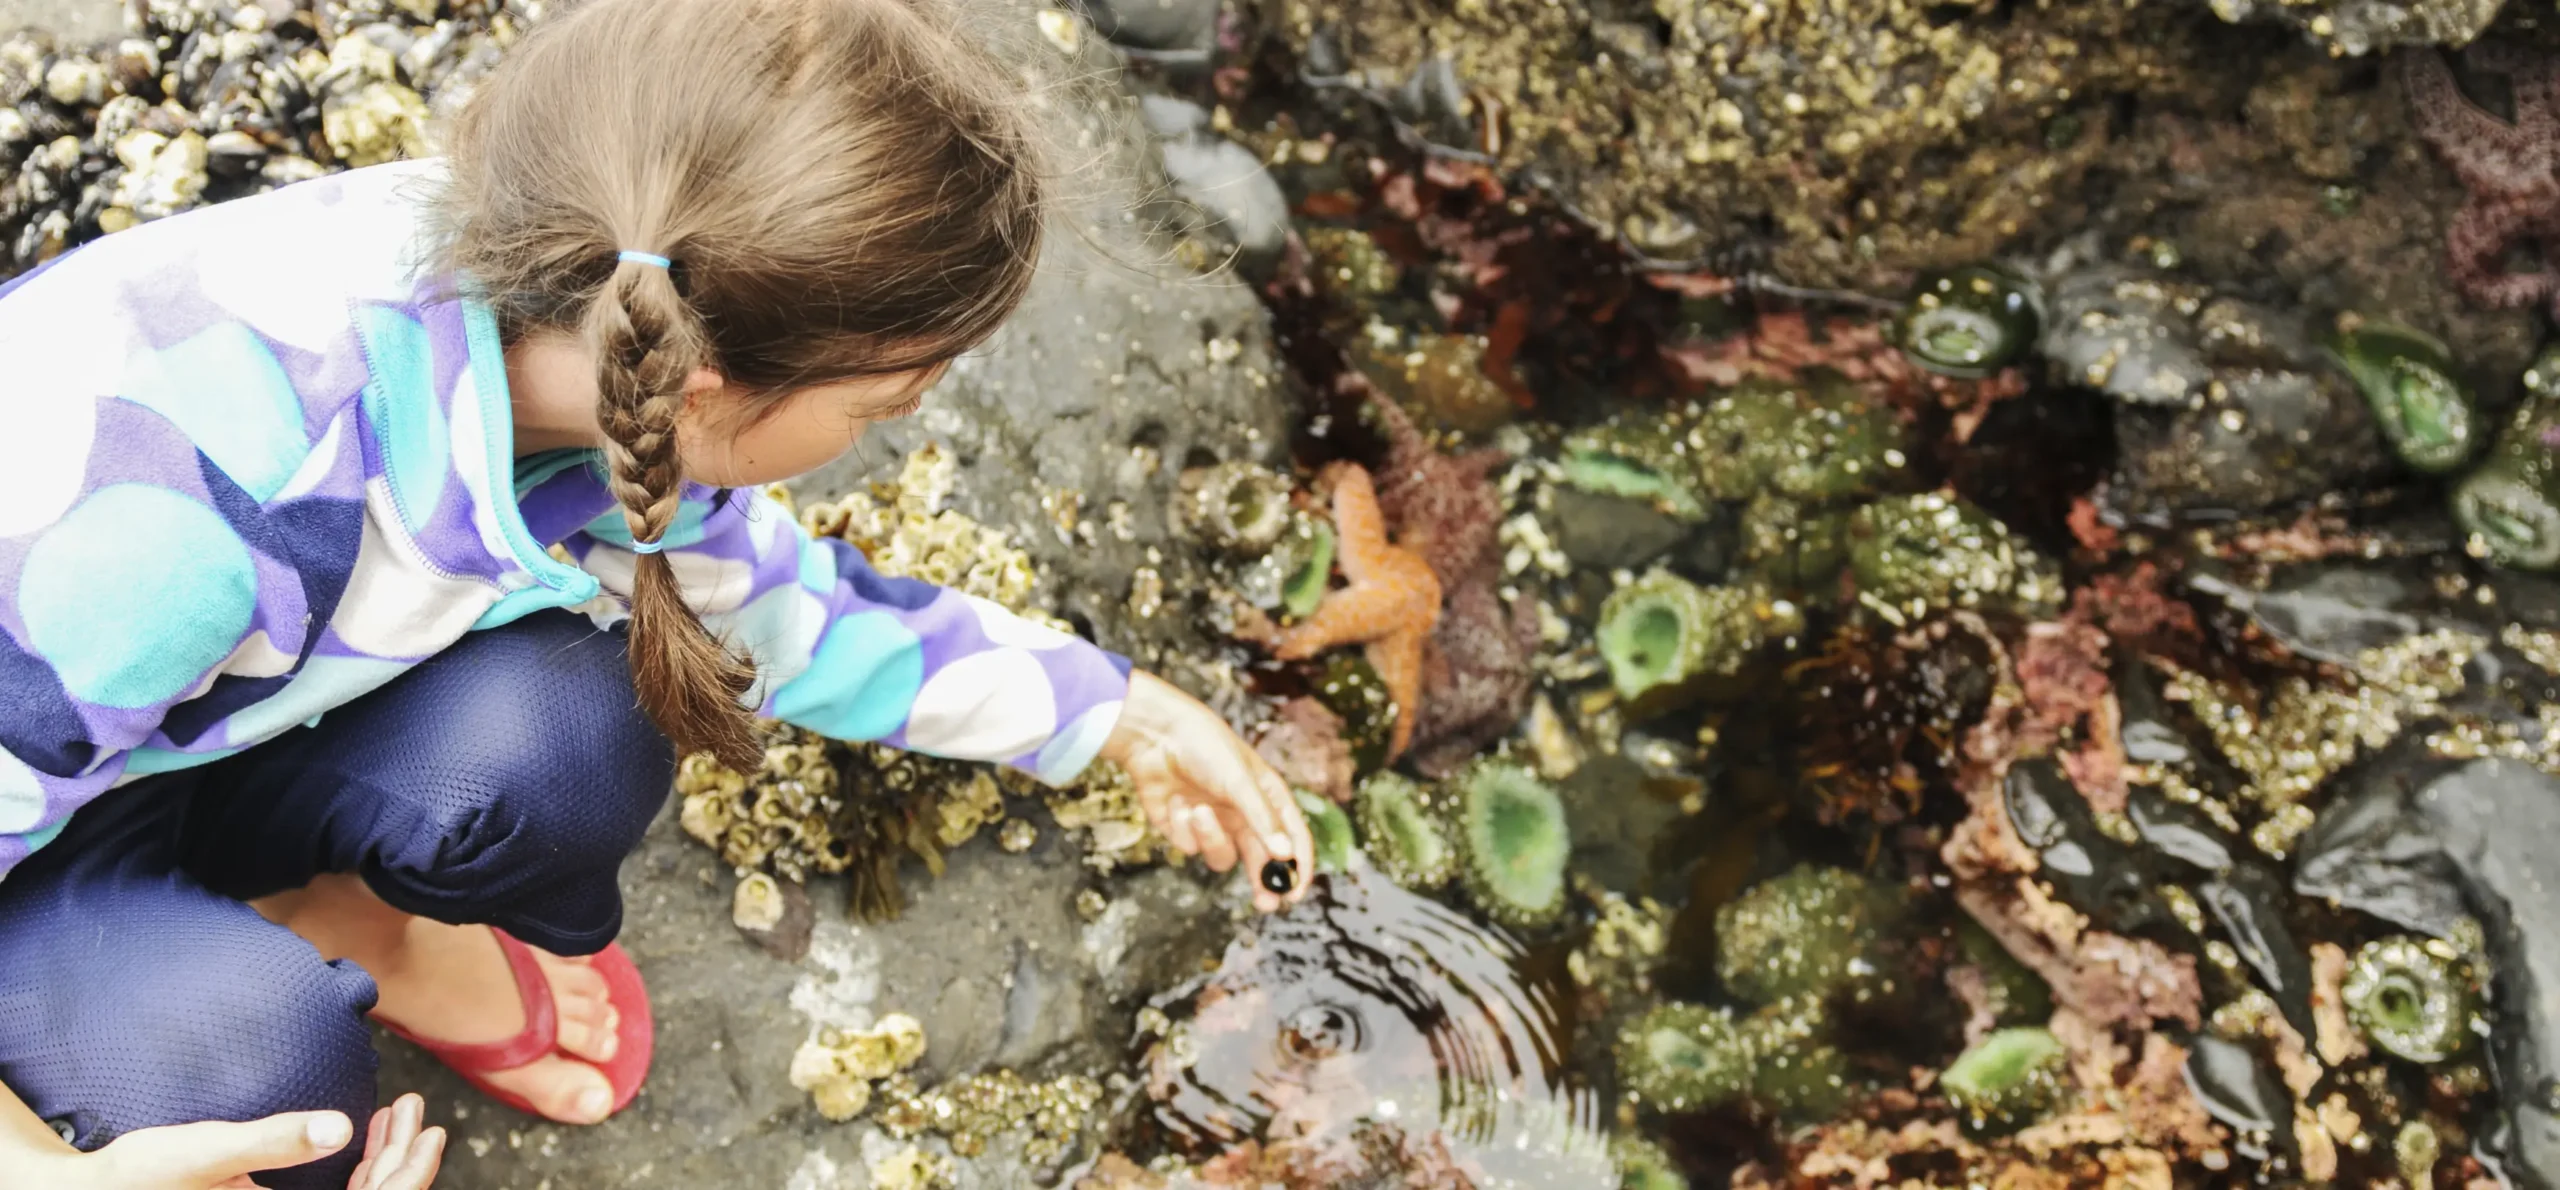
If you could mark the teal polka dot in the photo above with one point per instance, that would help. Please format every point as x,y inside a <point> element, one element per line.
<point>135,593</point>
<point>860,684</point>
<point>817,568</point>
<point>403,405</point>
<point>230,397</point>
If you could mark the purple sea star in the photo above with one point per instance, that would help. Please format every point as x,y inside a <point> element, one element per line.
<point>2512,170</point>
<point>1476,670</point>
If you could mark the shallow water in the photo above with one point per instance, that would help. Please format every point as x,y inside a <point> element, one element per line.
<point>1369,1005</point>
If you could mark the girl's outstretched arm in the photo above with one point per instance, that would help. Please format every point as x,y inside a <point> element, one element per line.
<point>1205,791</point>
<point>847,652</point>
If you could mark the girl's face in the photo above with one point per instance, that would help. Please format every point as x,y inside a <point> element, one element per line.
<point>729,441</point>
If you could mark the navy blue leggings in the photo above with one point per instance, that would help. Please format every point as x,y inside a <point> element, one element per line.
<point>500,782</point>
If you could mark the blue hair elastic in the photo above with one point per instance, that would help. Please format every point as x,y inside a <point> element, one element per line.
<point>647,547</point>
<point>646,258</point>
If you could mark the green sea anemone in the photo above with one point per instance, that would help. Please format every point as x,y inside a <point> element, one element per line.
<point>1796,1071</point>
<point>1970,322</point>
<point>1307,552</point>
<point>1662,631</point>
<point>1350,689</point>
<point>1591,464</point>
<point>2423,407</point>
<point>1912,555</point>
<point>1329,829</point>
<point>2007,1079</point>
<point>1807,933</point>
<point>1404,832</point>
<point>1682,1057</point>
<point>2410,1001</point>
<point>1236,506</point>
<point>1643,1165</point>
<point>1512,831</point>
<point>1820,443</point>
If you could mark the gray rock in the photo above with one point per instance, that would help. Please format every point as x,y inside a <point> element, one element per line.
<point>2222,406</point>
<point>1160,25</point>
<point>1240,201</point>
<point>2423,844</point>
<point>1609,533</point>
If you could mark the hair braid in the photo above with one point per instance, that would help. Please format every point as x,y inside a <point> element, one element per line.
<point>646,343</point>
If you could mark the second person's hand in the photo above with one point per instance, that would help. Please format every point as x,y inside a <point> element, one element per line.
<point>1207,792</point>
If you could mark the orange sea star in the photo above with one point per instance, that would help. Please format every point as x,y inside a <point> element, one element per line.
<point>1391,606</point>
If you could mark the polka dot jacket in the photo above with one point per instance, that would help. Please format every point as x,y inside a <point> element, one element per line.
<point>246,490</point>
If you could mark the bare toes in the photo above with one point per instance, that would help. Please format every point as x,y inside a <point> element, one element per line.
<point>559,1089</point>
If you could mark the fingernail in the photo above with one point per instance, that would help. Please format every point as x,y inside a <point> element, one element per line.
<point>329,1130</point>
<point>594,1104</point>
<point>1277,845</point>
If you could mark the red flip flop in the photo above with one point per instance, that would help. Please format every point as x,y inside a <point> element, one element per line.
<point>541,1035</point>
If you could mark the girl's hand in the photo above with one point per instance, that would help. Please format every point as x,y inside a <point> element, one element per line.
<point>1205,791</point>
<point>398,1154</point>
<point>210,1156</point>
<point>219,1155</point>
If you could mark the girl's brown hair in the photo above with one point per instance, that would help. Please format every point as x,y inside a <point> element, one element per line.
<point>846,188</point>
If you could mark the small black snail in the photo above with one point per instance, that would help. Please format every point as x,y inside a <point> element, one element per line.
<point>1279,875</point>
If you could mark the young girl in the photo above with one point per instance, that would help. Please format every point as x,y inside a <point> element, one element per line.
<point>302,718</point>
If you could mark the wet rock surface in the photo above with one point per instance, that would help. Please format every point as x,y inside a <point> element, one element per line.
<point>2448,850</point>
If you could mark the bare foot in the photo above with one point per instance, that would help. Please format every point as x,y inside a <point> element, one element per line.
<point>452,984</point>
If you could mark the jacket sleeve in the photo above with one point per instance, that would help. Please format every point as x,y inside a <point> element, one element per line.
<point>847,652</point>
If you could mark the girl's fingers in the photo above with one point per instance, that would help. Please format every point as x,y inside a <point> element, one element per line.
<point>426,1156</point>
<point>407,1113</point>
<point>1176,827</point>
<point>1276,792</point>
<point>1233,776</point>
<point>211,1153</point>
<point>1216,849</point>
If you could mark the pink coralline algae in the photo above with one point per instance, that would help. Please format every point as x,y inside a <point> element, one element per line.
<point>2512,170</point>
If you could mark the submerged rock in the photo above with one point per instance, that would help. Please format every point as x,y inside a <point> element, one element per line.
<point>2221,405</point>
<point>1222,179</point>
<point>2436,846</point>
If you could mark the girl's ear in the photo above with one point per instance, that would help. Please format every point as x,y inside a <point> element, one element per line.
<point>699,383</point>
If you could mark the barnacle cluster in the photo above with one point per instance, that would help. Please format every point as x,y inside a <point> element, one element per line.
<point>906,531</point>
<point>205,100</point>
<point>2303,731</point>
<point>969,1112</point>
<point>838,1066</point>
<point>1867,139</point>
<point>1624,947</point>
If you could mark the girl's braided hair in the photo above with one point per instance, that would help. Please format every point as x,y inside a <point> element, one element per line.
<point>847,189</point>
